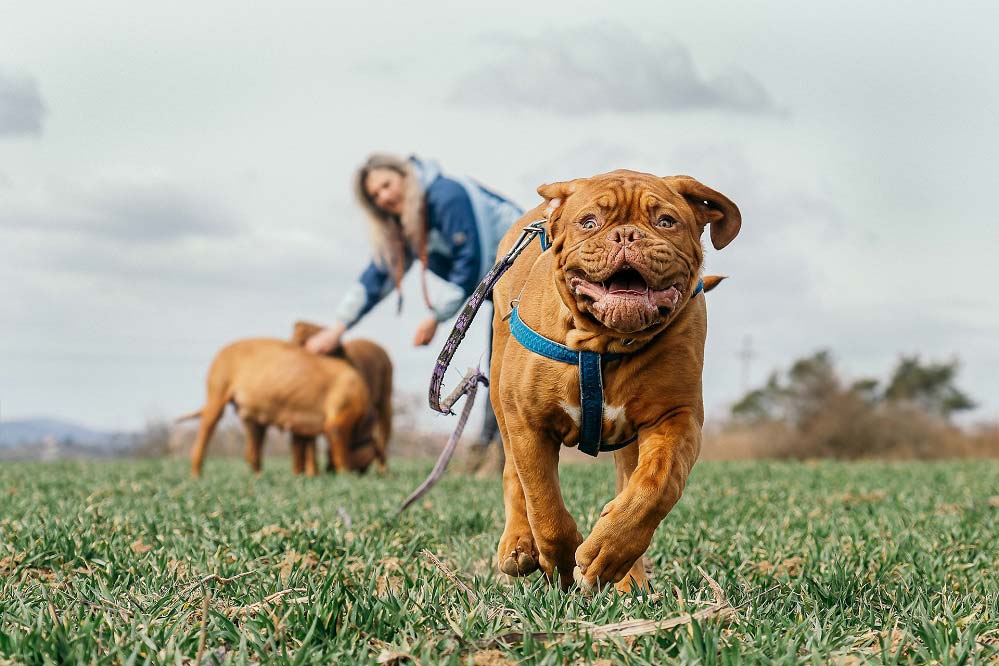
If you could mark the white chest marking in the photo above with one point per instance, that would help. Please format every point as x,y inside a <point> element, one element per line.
<point>573,412</point>
<point>612,413</point>
<point>618,422</point>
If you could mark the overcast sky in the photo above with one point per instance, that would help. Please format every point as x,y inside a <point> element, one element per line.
<point>176,176</point>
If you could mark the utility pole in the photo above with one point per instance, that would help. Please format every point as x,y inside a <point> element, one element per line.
<point>746,356</point>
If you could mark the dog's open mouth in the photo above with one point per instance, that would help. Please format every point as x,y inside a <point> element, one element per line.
<point>624,301</point>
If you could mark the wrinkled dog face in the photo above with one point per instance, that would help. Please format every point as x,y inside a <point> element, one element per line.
<point>628,244</point>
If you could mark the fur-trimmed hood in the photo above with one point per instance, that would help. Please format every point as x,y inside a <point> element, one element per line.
<point>441,214</point>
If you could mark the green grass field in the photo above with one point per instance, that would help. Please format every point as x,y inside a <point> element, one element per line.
<point>849,563</point>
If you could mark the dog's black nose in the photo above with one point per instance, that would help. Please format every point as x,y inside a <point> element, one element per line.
<point>625,235</point>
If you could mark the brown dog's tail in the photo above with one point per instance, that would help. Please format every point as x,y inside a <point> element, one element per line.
<point>188,417</point>
<point>712,281</point>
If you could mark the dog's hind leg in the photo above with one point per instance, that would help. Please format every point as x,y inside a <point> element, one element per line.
<point>309,453</point>
<point>341,424</point>
<point>338,439</point>
<point>254,443</point>
<point>298,445</point>
<point>383,431</point>
<point>384,427</point>
<point>210,415</point>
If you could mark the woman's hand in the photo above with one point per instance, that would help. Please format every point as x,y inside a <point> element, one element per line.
<point>425,332</point>
<point>325,340</point>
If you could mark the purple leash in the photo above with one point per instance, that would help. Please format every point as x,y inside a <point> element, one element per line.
<point>470,382</point>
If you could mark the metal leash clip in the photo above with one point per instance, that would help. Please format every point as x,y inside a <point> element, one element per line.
<point>529,232</point>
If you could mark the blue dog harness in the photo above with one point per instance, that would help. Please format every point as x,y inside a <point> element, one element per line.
<point>591,384</point>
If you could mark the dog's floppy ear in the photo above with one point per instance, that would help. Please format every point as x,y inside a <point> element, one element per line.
<point>710,207</point>
<point>303,331</point>
<point>555,195</point>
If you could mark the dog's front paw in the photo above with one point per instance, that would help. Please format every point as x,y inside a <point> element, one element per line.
<point>517,554</point>
<point>585,585</point>
<point>611,555</point>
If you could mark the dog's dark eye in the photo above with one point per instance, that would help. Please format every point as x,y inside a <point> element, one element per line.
<point>588,223</point>
<point>666,221</point>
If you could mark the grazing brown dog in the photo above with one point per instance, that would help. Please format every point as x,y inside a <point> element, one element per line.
<point>277,383</point>
<point>619,279</point>
<point>375,366</point>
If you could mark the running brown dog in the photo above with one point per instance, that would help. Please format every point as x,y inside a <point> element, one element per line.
<point>619,276</point>
<point>277,383</point>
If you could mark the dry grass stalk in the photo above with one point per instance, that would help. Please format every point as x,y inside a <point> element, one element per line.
<point>261,605</point>
<point>451,576</point>
<point>203,639</point>
<point>217,579</point>
<point>720,609</point>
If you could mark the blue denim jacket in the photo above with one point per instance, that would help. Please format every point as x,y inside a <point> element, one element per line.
<point>465,223</point>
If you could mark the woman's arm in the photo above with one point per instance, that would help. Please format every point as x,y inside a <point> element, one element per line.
<point>374,285</point>
<point>357,301</point>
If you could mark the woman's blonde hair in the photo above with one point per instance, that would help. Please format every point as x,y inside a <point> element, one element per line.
<point>391,234</point>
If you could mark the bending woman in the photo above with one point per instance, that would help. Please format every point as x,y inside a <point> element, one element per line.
<point>451,225</point>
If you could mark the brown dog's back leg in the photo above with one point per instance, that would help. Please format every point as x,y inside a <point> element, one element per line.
<point>311,466</point>
<point>338,438</point>
<point>254,443</point>
<point>298,446</point>
<point>384,433</point>
<point>342,422</point>
<point>210,415</point>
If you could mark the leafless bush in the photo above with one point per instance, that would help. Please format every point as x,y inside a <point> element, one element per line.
<point>890,434</point>
<point>811,412</point>
<point>153,441</point>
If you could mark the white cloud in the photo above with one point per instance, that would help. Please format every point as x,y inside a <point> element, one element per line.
<point>605,68</point>
<point>135,207</point>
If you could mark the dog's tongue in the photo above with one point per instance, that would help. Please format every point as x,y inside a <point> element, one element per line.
<point>627,281</point>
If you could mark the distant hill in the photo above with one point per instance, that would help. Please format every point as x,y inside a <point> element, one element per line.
<point>28,431</point>
<point>50,438</point>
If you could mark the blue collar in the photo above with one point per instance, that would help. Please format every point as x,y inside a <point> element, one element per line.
<point>543,239</point>
<point>591,385</point>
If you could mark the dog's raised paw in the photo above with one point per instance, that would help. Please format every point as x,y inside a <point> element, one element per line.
<point>585,586</point>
